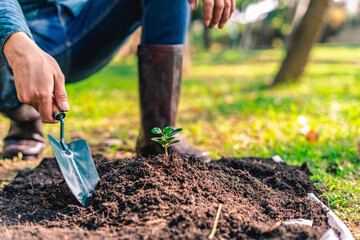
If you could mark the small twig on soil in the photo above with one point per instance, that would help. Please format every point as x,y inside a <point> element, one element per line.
<point>212,234</point>
<point>32,186</point>
<point>156,221</point>
<point>272,228</point>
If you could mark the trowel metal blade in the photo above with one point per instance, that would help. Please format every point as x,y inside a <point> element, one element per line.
<point>77,167</point>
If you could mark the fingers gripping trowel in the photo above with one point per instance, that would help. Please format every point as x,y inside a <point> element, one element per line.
<point>75,162</point>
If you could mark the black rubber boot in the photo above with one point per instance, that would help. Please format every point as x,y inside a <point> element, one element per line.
<point>159,83</point>
<point>25,134</point>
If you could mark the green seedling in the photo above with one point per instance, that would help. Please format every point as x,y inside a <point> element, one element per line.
<point>167,137</point>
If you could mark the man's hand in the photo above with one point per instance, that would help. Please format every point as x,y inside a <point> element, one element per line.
<point>215,11</point>
<point>37,76</point>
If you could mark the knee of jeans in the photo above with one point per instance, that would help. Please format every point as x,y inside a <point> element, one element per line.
<point>8,103</point>
<point>165,22</point>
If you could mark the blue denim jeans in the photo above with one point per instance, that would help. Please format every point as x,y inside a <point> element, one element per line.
<point>82,45</point>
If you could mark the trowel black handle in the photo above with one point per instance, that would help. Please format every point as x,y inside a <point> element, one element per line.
<point>57,112</point>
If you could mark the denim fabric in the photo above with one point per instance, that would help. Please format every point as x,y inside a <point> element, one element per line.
<point>12,15</point>
<point>31,7</point>
<point>28,6</point>
<point>82,45</point>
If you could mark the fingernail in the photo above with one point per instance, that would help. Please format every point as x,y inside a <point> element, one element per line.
<point>65,106</point>
<point>192,6</point>
<point>207,23</point>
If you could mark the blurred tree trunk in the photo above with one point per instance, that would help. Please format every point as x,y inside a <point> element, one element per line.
<point>247,38</point>
<point>207,39</point>
<point>302,40</point>
<point>186,67</point>
<point>300,10</point>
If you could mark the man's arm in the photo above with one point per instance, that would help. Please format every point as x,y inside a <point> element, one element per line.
<point>37,76</point>
<point>215,11</point>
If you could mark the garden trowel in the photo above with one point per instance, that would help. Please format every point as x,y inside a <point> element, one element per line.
<point>75,162</point>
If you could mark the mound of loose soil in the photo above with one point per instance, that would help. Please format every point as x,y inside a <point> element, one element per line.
<point>157,198</point>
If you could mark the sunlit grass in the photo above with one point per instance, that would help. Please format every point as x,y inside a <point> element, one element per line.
<point>228,108</point>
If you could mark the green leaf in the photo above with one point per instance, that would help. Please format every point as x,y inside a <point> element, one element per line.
<point>169,138</point>
<point>156,130</point>
<point>176,131</point>
<point>168,130</point>
<point>162,142</point>
<point>155,139</point>
<point>176,141</point>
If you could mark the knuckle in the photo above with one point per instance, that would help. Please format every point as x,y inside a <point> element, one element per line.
<point>61,77</point>
<point>25,99</point>
<point>220,5</point>
<point>42,95</point>
<point>62,96</point>
<point>45,119</point>
<point>227,4</point>
<point>49,58</point>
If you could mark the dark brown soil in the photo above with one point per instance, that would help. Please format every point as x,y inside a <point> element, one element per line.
<point>156,198</point>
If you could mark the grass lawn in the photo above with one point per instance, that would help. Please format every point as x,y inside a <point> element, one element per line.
<point>228,109</point>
